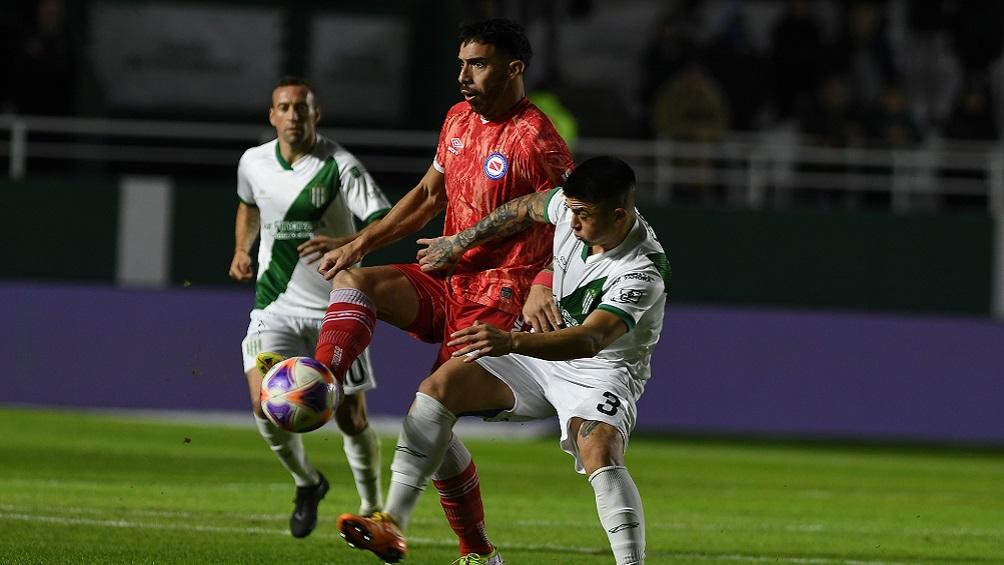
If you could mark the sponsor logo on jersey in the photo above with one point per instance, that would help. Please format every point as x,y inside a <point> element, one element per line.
<point>455,146</point>
<point>495,166</point>
<point>637,277</point>
<point>588,299</point>
<point>506,293</point>
<point>290,229</point>
<point>355,172</point>
<point>628,296</point>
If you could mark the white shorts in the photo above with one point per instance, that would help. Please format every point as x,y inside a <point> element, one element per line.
<point>292,336</point>
<point>557,388</point>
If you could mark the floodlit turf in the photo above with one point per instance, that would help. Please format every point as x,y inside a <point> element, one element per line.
<point>81,488</point>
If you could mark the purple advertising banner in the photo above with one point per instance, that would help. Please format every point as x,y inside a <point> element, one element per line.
<point>716,369</point>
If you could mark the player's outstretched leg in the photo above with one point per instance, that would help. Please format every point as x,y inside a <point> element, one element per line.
<point>346,331</point>
<point>311,486</point>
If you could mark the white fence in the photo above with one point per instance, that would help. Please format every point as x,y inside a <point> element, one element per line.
<point>742,170</point>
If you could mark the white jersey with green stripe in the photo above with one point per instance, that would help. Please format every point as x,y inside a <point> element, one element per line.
<point>318,194</point>
<point>629,281</point>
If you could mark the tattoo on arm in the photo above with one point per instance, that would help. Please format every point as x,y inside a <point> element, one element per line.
<point>512,217</point>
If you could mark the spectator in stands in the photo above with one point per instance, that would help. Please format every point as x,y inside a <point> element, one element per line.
<point>672,47</point>
<point>45,64</point>
<point>972,116</point>
<point>691,107</point>
<point>892,125</point>
<point>737,66</point>
<point>797,52</point>
<point>831,119</point>
<point>862,53</point>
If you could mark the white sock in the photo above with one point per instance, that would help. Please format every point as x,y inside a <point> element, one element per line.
<point>363,453</point>
<point>425,436</point>
<point>288,447</point>
<point>618,504</point>
<point>455,461</point>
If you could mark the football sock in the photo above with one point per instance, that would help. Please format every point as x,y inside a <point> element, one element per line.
<point>425,436</point>
<point>346,330</point>
<point>363,453</point>
<point>460,496</point>
<point>618,504</point>
<point>288,447</point>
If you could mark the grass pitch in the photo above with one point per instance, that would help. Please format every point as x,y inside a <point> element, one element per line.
<point>76,487</point>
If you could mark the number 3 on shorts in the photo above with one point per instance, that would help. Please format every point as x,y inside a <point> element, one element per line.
<point>611,405</point>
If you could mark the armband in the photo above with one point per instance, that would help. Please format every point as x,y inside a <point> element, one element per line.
<point>545,278</point>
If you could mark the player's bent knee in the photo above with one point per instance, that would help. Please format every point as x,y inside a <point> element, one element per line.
<point>352,278</point>
<point>435,386</point>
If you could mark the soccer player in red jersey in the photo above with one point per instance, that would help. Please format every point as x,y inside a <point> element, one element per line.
<point>494,146</point>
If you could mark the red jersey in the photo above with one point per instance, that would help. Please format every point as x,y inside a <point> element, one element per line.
<point>486,164</point>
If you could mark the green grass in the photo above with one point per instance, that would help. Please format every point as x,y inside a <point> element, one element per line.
<point>76,487</point>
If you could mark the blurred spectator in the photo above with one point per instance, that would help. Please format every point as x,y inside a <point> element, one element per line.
<point>690,107</point>
<point>972,115</point>
<point>892,125</point>
<point>735,63</point>
<point>862,53</point>
<point>672,47</point>
<point>797,56</point>
<point>44,63</point>
<point>831,118</point>
<point>977,31</point>
<point>931,72</point>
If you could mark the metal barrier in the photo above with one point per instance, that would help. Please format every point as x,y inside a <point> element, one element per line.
<point>771,169</point>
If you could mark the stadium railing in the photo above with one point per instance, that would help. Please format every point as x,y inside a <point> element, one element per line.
<point>771,169</point>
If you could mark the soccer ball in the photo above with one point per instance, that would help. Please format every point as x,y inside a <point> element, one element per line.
<point>299,394</point>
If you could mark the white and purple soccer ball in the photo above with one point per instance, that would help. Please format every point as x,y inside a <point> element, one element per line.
<point>299,394</point>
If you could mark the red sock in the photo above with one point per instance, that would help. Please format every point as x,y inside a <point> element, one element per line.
<point>461,500</point>
<point>346,331</point>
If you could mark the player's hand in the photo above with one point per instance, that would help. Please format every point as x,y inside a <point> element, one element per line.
<point>440,253</point>
<point>240,266</point>
<point>539,310</point>
<point>315,247</point>
<point>480,340</point>
<point>340,259</point>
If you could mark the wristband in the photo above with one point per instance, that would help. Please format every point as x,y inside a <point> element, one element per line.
<point>545,278</point>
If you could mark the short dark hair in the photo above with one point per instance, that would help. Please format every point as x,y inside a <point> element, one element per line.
<point>506,35</point>
<point>293,80</point>
<point>602,180</point>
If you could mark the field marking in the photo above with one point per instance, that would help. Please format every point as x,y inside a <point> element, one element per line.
<point>432,542</point>
<point>676,526</point>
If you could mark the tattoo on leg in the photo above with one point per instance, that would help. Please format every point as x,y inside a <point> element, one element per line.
<point>587,427</point>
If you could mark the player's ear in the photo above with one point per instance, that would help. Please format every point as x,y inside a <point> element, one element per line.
<point>516,68</point>
<point>271,116</point>
<point>317,114</point>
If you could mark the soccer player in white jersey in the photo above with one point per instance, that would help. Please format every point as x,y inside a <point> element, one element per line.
<point>610,281</point>
<point>298,194</point>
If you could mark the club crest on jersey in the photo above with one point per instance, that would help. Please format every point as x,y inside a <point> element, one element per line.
<point>495,166</point>
<point>318,195</point>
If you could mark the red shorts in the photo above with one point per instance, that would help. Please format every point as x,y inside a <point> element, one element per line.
<point>441,313</point>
